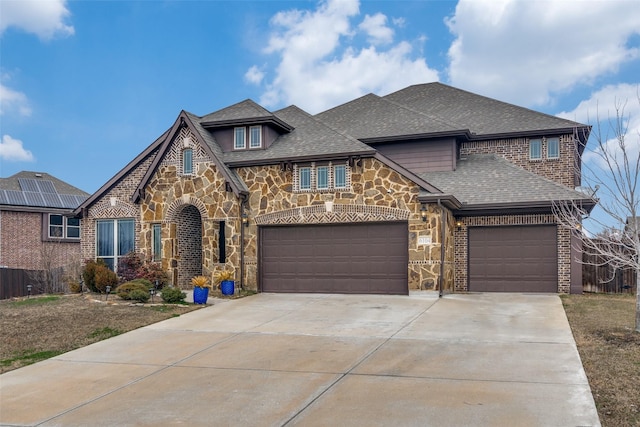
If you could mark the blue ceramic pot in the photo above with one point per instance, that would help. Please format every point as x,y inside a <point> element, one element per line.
<point>227,287</point>
<point>200,295</point>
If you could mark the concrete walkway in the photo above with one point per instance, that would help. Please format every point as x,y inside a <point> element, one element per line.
<point>321,360</point>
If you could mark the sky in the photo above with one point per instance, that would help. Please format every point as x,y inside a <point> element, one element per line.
<point>85,86</point>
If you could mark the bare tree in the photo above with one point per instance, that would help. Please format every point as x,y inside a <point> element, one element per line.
<point>611,176</point>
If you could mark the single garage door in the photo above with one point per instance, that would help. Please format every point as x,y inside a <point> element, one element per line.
<point>343,258</point>
<point>513,259</point>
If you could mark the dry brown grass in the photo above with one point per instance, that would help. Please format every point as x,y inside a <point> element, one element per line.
<point>41,327</point>
<point>603,326</point>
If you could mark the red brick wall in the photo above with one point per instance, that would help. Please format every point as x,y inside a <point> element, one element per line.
<point>21,244</point>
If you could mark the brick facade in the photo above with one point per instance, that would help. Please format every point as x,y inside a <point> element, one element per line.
<point>22,245</point>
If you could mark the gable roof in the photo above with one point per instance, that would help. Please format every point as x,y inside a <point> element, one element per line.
<point>27,190</point>
<point>483,180</point>
<point>484,117</point>
<point>371,118</point>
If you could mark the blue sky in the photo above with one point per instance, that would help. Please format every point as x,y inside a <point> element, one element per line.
<point>87,85</point>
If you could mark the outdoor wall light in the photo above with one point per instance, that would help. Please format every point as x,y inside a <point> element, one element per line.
<point>245,219</point>
<point>459,225</point>
<point>423,213</point>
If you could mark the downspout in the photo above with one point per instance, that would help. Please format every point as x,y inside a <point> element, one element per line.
<point>243,201</point>
<point>442,247</point>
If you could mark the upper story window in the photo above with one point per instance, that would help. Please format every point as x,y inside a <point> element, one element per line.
<point>255,137</point>
<point>61,227</point>
<point>324,177</point>
<point>239,138</point>
<point>187,161</point>
<point>535,149</point>
<point>553,148</point>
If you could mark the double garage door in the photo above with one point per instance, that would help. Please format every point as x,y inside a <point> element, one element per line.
<point>513,259</point>
<point>336,258</point>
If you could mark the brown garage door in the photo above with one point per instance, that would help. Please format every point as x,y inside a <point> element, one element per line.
<point>513,259</point>
<point>344,258</point>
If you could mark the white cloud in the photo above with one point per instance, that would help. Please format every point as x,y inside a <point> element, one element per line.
<point>320,66</point>
<point>11,100</point>
<point>600,112</point>
<point>254,75</point>
<point>12,150</point>
<point>376,29</point>
<point>528,51</point>
<point>46,19</point>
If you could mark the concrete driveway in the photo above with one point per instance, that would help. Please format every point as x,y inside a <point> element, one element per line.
<point>321,360</point>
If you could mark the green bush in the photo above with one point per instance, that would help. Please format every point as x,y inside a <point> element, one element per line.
<point>97,276</point>
<point>89,273</point>
<point>124,290</point>
<point>139,295</point>
<point>173,295</point>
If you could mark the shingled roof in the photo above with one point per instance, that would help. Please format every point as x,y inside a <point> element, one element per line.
<point>483,116</point>
<point>29,189</point>
<point>311,138</point>
<point>489,180</point>
<point>374,118</point>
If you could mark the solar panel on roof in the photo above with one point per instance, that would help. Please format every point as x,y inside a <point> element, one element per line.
<point>3,198</point>
<point>33,198</point>
<point>46,186</point>
<point>15,197</point>
<point>52,200</point>
<point>28,184</point>
<point>68,201</point>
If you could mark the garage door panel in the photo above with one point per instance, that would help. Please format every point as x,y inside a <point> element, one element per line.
<point>344,258</point>
<point>513,259</point>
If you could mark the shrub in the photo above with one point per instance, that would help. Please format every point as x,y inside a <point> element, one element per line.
<point>139,295</point>
<point>173,295</point>
<point>124,291</point>
<point>105,277</point>
<point>89,273</point>
<point>129,266</point>
<point>74,286</point>
<point>153,272</point>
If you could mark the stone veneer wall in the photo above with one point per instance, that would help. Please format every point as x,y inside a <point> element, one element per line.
<point>377,194</point>
<point>461,245</point>
<point>516,150</point>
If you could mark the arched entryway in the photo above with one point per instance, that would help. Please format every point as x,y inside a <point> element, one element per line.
<point>189,237</point>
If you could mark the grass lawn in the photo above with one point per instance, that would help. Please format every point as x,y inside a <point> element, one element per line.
<point>603,327</point>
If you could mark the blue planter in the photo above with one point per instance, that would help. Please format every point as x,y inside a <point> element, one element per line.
<point>200,295</point>
<point>227,287</point>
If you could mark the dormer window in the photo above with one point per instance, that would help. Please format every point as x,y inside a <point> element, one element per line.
<point>255,137</point>
<point>239,138</point>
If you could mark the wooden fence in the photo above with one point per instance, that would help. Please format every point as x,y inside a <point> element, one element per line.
<point>606,279</point>
<point>13,283</point>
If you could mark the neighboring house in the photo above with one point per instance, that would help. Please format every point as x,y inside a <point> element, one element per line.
<point>378,195</point>
<point>36,221</point>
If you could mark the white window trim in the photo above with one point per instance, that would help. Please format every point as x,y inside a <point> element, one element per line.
<point>183,162</point>
<point>235,141</point>
<point>115,240</point>
<point>531,141</point>
<point>65,229</point>
<point>549,156</point>
<point>328,183</point>
<point>251,128</point>
<point>314,181</point>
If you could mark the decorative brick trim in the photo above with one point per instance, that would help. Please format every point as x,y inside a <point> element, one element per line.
<point>173,156</point>
<point>104,209</point>
<point>340,214</point>
<point>176,206</point>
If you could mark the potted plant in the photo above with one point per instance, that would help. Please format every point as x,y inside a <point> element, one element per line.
<point>226,280</point>
<point>201,288</point>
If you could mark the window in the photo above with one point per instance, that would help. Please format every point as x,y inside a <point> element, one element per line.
<point>322,177</point>
<point>255,137</point>
<point>339,176</point>
<point>157,242</point>
<point>187,161</point>
<point>222,248</point>
<point>535,149</point>
<point>61,227</point>
<point>553,148</point>
<point>305,178</point>
<point>239,139</point>
<point>114,239</point>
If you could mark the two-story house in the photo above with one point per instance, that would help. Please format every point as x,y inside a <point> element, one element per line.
<point>429,185</point>
<point>36,221</point>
